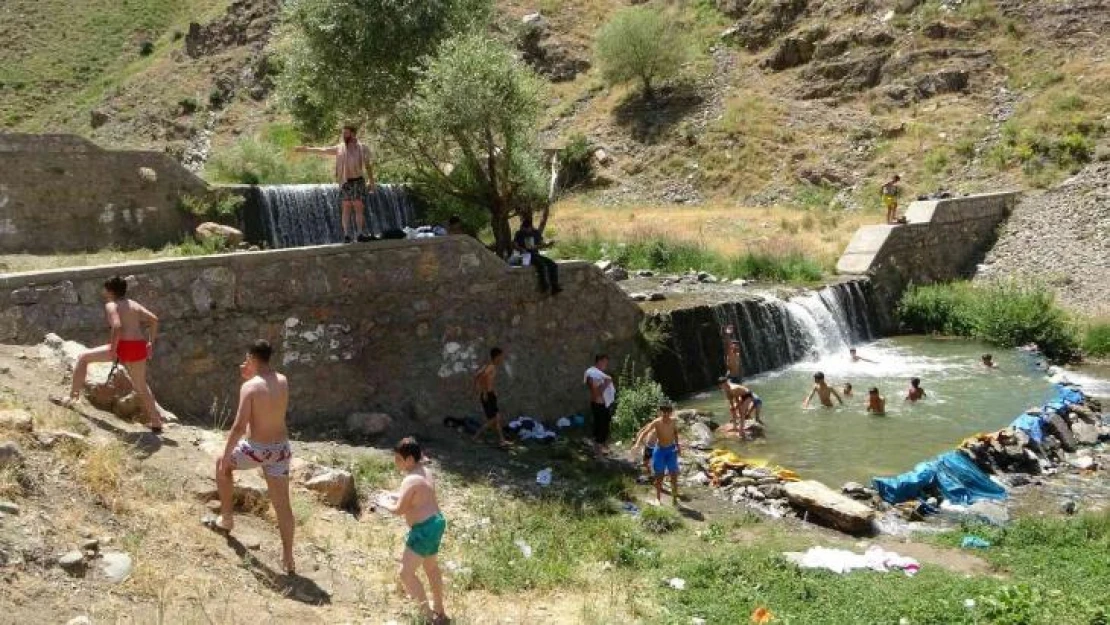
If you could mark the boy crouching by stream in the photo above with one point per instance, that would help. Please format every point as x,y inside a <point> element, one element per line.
<point>664,458</point>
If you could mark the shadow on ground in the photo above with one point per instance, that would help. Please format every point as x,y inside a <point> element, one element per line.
<point>649,120</point>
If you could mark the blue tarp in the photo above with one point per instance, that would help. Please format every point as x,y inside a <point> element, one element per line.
<point>1031,425</point>
<point>957,478</point>
<point>1068,394</point>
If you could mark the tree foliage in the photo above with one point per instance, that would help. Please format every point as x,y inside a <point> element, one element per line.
<point>356,59</point>
<point>469,129</point>
<point>639,43</point>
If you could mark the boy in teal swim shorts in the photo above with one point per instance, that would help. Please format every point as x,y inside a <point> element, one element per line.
<point>416,501</point>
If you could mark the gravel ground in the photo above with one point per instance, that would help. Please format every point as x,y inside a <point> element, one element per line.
<point>1062,239</point>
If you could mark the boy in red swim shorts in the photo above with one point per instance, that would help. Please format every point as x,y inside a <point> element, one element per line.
<point>127,345</point>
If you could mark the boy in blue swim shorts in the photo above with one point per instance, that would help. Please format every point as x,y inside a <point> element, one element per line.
<point>416,501</point>
<point>664,459</point>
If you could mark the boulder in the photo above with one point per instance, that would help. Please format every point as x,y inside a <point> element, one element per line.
<point>115,566</point>
<point>617,274</point>
<point>944,81</point>
<point>10,454</point>
<point>18,420</point>
<point>73,563</point>
<point>98,118</point>
<point>50,440</point>
<point>791,52</point>
<point>210,230</point>
<point>1056,426</point>
<point>656,297</point>
<point>249,494</point>
<point>363,424</point>
<point>701,437</point>
<point>1085,433</point>
<point>336,485</point>
<point>8,507</point>
<point>831,507</point>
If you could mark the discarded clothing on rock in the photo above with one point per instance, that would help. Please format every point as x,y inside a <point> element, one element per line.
<point>842,561</point>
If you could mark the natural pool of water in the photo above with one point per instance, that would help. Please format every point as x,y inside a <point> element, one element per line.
<point>836,445</point>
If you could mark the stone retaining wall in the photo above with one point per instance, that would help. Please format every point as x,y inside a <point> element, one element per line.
<point>943,240</point>
<point>396,326</point>
<point>61,193</point>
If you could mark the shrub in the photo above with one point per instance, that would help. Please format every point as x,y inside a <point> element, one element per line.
<point>936,161</point>
<point>188,106</point>
<point>1004,314</point>
<point>146,48</point>
<point>1096,339</point>
<point>220,207</point>
<point>640,44</point>
<point>577,162</point>
<point>216,98</point>
<point>638,399</point>
<point>255,161</point>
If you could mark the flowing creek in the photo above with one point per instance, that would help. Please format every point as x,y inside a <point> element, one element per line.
<point>836,445</point>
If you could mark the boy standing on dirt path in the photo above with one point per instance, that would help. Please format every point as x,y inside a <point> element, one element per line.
<point>127,345</point>
<point>484,381</point>
<point>664,460</point>
<point>259,439</point>
<point>416,501</point>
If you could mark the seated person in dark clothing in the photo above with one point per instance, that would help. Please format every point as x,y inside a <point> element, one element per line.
<point>455,225</point>
<point>528,241</point>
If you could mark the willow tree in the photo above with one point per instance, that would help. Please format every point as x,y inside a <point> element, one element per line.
<point>469,131</point>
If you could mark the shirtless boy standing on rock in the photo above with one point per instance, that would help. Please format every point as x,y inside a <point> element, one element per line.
<point>416,501</point>
<point>259,439</point>
<point>127,346</point>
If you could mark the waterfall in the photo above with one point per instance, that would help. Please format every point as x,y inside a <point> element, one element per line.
<point>772,332</point>
<point>296,215</point>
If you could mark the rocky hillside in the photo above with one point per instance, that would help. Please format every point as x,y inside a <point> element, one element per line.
<point>801,102</point>
<point>1061,237</point>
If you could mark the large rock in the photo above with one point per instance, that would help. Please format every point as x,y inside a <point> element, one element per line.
<point>336,485</point>
<point>835,509</point>
<point>10,454</point>
<point>18,420</point>
<point>210,230</point>
<point>1085,433</point>
<point>1056,426</point>
<point>363,424</point>
<point>115,566</point>
<point>701,437</point>
<point>791,52</point>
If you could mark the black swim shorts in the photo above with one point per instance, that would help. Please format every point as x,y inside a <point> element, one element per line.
<point>489,405</point>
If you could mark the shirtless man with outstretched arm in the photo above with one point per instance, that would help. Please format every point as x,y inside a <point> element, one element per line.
<point>127,345</point>
<point>416,501</point>
<point>259,439</point>
<point>354,171</point>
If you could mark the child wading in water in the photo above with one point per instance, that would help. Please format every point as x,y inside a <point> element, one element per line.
<point>915,392</point>
<point>847,392</point>
<point>823,391</point>
<point>664,460</point>
<point>876,403</point>
<point>416,501</point>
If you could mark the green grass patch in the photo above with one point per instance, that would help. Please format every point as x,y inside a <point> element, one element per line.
<point>673,256</point>
<point>373,472</point>
<point>1096,339</point>
<point>1004,314</point>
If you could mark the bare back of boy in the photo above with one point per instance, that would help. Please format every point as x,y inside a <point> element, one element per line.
<point>269,398</point>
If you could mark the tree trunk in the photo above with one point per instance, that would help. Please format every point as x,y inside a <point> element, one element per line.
<point>502,233</point>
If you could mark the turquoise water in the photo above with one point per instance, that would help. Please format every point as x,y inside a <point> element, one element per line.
<point>836,445</point>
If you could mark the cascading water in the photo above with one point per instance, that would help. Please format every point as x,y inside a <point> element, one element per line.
<point>296,215</point>
<point>772,332</point>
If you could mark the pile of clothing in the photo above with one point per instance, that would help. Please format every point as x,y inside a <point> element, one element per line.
<point>842,561</point>
<point>722,462</point>
<point>527,428</point>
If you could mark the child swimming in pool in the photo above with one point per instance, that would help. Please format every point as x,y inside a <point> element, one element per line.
<point>847,392</point>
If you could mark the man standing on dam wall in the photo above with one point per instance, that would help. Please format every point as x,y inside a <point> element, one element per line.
<point>352,159</point>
